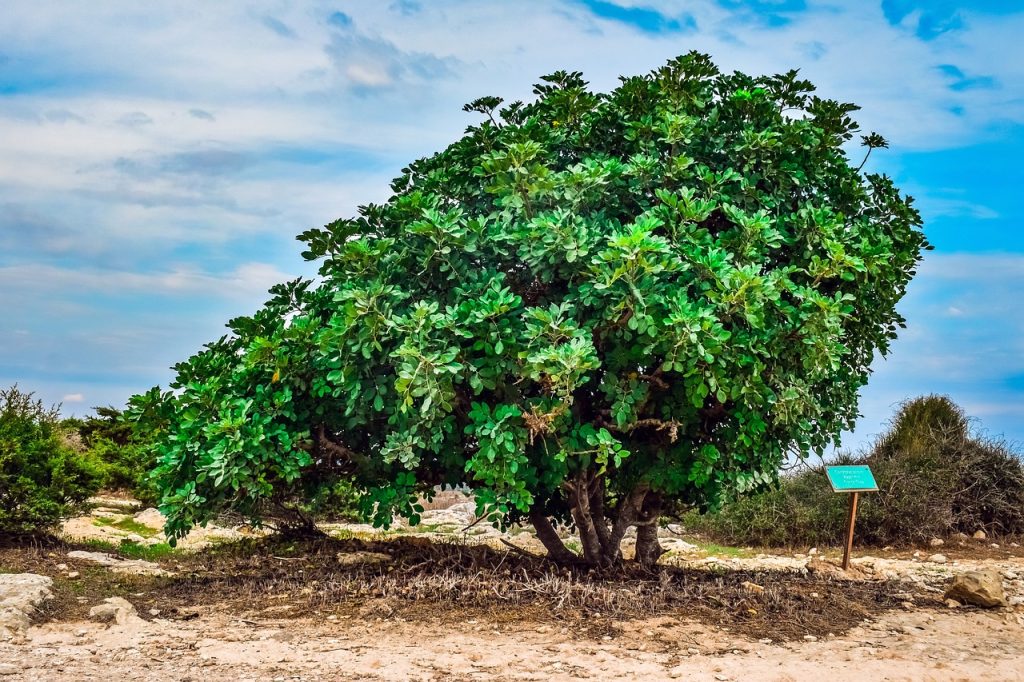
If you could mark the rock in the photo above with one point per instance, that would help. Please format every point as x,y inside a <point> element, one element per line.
<point>62,567</point>
<point>20,596</point>
<point>952,603</point>
<point>677,545</point>
<point>961,537</point>
<point>937,558</point>
<point>461,515</point>
<point>810,638</point>
<point>981,588</point>
<point>752,587</point>
<point>118,504</point>
<point>8,669</point>
<point>73,575</point>
<point>979,535</point>
<point>114,610</point>
<point>827,569</point>
<point>151,518</point>
<point>994,545</point>
<point>936,542</point>
<point>356,558</point>
<point>119,565</point>
<point>135,538</point>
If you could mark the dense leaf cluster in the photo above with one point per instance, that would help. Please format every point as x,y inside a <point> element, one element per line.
<point>589,308</point>
<point>42,476</point>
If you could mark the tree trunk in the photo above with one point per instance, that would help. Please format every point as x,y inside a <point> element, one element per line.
<point>602,545</point>
<point>648,549</point>
<point>557,551</point>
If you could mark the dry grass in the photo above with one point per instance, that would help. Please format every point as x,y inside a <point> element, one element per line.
<point>449,582</point>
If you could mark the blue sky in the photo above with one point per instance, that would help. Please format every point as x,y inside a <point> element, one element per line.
<point>157,159</point>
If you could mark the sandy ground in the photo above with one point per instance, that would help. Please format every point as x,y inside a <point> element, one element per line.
<point>903,645</point>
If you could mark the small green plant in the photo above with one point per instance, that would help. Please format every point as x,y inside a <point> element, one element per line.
<point>132,550</point>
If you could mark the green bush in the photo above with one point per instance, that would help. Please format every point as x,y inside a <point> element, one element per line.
<point>122,451</point>
<point>935,477</point>
<point>42,478</point>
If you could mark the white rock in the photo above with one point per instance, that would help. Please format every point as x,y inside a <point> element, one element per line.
<point>936,542</point>
<point>114,610</point>
<point>151,518</point>
<point>20,596</point>
<point>937,558</point>
<point>119,565</point>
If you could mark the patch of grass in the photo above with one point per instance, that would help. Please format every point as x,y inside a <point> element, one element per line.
<point>714,549</point>
<point>127,525</point>
<point>132,550</point>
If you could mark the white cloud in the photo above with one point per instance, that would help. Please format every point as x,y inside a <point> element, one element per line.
<point>245,281</point>
<point>73,398</point>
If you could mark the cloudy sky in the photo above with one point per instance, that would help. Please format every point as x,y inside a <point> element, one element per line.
<point>157,159</point>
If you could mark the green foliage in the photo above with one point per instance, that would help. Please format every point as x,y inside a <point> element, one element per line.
<point>123,451</point>
<point>935,477</point>
<point>645,297</point>
<point>42,478</point>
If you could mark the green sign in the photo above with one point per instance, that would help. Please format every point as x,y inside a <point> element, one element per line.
<point>851,479</point>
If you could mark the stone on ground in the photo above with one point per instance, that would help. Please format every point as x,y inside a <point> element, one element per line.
<point>119,565</point>
<point>20,596</point>
<point>114,610</point>
<point>980,588</point>
<point>980,534</point>
<point>827,569</point>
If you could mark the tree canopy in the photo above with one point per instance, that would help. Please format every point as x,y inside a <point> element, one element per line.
<point>591,308</point>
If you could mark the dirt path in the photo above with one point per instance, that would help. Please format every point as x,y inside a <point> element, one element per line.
<point>904,645</point>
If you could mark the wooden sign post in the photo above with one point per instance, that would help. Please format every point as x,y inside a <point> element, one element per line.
<point>855,480</point>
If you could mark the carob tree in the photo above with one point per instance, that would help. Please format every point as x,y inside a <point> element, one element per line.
<point>589,309</point>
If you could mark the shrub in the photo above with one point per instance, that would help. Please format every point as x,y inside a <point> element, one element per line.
<point>123,452</point>
<point>935,477</point>
<point>42,479</point>
<point>590,308</point>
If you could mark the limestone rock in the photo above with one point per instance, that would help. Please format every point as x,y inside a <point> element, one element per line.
<point>457,515</point>
<point>119,565</point>
<point>937,558</point>
<point>981,588</point>
<point>827,569</point>
<point>936,542</point>
<point>20,596</point>
<point>114,610</point>
<point>980,534</point>
<point>152,518</point>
